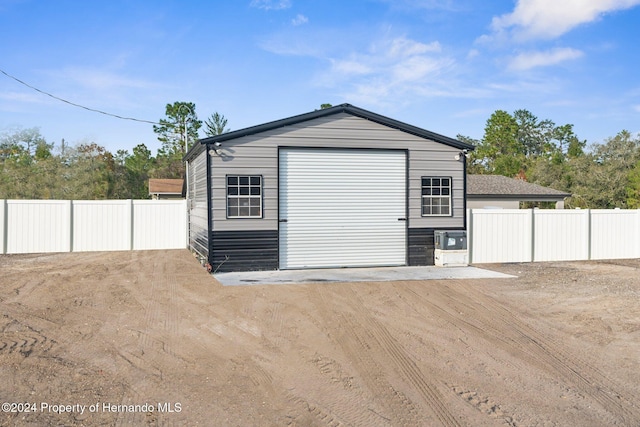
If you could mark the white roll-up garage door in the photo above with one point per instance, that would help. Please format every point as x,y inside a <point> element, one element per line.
<point>342,208</point>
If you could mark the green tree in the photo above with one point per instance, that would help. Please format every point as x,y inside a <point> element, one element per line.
<point>216,124</point>
<point>499,152</point>
<point>177,132</point>
<point>604,176</point>
<point>633,187</point>
<point>138,169</point>
<point>534,136</point>
<point>28,169</point>
<point>91,173</point>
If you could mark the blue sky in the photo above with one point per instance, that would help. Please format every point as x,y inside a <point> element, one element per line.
<point>442,65</point>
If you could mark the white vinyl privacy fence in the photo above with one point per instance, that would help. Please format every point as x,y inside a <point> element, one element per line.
<point>494,235</point>
<point>519,235</point>
<point>33,226</point>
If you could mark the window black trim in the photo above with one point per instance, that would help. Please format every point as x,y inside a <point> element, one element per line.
<point>244,184</point>
<point>430,189</point>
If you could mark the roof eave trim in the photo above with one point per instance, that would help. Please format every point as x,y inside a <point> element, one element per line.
<point>197,148</point>
<point>523,197</point>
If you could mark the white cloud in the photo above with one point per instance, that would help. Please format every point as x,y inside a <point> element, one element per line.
<point>23,98</point>
<point>528,60</point>
<point>389,70</point>
<point>637,108</point>
<point>401,47</point>
<point>416,68</point>
<point>299,20</point>
<point>351,67</point>
<point>548,19</point>
<point>271,4</point>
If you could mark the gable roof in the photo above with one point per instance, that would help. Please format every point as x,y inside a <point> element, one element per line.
<point>198,147</point>
<point>497,186</point>
<point>165,186</point>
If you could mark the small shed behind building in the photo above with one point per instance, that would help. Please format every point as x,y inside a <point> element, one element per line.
<point>166,188</point>
<point>496,191</point>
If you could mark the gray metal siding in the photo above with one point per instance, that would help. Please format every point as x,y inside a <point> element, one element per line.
<point>258,155</point>
<point>198,218</point>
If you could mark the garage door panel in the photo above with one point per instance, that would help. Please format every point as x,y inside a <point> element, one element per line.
<point>342,208</point>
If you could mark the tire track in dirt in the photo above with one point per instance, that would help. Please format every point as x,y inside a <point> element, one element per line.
<point>25,290</point>
<point>154,355</point>
<point>20,338</point>
<point>277,320</point>
<point>344,401</point>
<point>405,364</point>
<point>355,343</point>
<point>342,394</point>
<point>483,404</point>
<point>161,320</point>
<point>322,415</point>
<point>575,369</point>
<point>467,308</point>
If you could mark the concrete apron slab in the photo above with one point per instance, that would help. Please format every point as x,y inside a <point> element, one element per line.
<point>369,274</point>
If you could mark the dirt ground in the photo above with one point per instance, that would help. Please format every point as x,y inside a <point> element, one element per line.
<point>149,338</point>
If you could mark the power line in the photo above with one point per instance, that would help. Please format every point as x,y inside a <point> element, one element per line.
<point>74,104</point>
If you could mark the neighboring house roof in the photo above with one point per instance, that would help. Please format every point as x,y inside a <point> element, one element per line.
<point>342,108</point>
<point>165,186</point>
<point>502,187</point>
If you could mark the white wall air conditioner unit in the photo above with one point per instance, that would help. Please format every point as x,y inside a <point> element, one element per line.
<point>451,248</point>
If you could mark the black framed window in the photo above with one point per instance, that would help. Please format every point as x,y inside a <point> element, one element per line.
<point>244,196</point>
<point>436,196</point>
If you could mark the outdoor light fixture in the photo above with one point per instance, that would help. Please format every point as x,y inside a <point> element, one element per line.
<point>216,150</point>
<point>464,153</point>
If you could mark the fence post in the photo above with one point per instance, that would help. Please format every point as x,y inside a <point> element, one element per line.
<point>130,223</point>
<point>637,237</point>
<point>470,235</point>
<point>4,226</point>
<point>533,234</point>
<point>589,234</point>
<point>70,225</point>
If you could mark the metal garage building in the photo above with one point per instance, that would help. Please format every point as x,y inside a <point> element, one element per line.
<point>339,187</point>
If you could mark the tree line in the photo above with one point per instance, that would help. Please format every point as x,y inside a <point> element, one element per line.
<point>33,168</point>
<point>519,145</point>
<point>598,175</point>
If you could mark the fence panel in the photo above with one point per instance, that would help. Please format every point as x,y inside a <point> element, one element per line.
<point>101,225</point>
<point>34,226</point>
<point>152,216</point>
<point>500,235</point>
<point>615,234</point>
<point>561,235</point>
<point>38,226</point>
